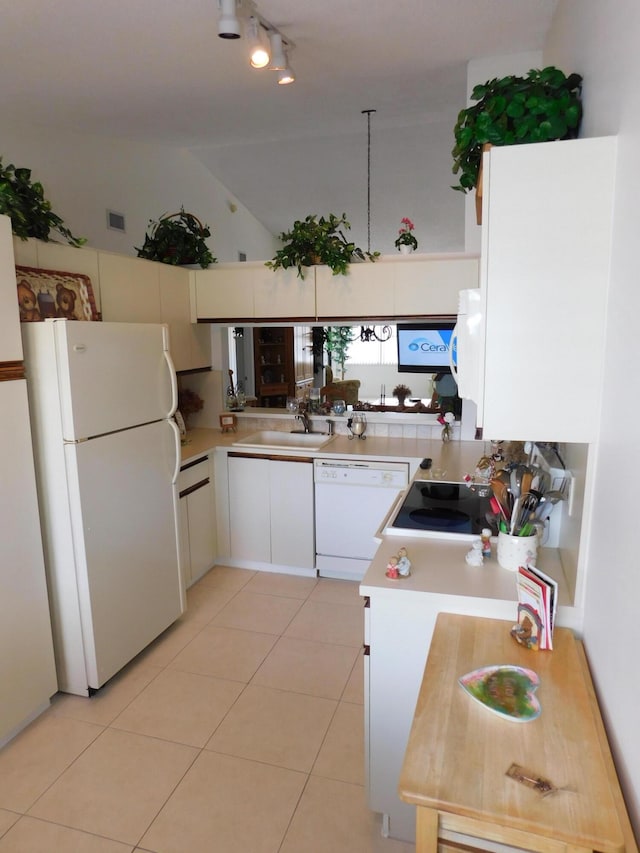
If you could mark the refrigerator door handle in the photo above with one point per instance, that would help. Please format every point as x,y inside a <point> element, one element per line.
<point>176,435</point>
<point>174,382</point>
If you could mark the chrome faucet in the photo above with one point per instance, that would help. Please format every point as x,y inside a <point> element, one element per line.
<point>303,417</point>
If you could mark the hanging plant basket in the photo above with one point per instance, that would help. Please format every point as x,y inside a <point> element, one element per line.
<point>177,239</point>
<point>318,240</point>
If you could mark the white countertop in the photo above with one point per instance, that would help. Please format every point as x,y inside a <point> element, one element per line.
<point>439,571</point>
<point>450,461</point>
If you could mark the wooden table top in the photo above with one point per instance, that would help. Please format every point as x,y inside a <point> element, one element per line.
<point>459,751</point>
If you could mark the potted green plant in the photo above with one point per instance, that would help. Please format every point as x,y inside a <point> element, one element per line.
<point>24,202</point>
<point>401,392</point>
<point>316,240</point>
<point>541,106</point>
<point>177,239</point>
<point>406,241</point>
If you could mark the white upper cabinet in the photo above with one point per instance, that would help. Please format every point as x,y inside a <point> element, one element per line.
<point>225,292</point>
<point>10,337</point>
<point>253,291</point>
<point>430,285</point>
<point>189,343</point>
<point>547,218</point>
<point>282,294</point>
<point>130,289</point>
<point>365,291</point>
<point>389,287</point>
<point>60,256</point>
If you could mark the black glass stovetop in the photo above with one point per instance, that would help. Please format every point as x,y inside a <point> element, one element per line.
<point>444,508</point>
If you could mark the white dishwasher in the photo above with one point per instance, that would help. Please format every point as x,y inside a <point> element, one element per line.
<point>352,498</point>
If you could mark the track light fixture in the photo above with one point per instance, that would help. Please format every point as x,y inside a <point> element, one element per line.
<point>258,50</point>
<point>228,23</point>
<point>278,59</point>
<point>286,76</point>
<point>268,48</point>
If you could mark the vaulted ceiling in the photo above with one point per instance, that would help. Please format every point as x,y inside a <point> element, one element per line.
<point>156,70</point>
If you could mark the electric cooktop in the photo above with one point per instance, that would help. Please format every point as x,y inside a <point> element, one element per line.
<point>443,509</point>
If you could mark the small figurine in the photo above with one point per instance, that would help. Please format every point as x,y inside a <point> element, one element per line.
<point>404,564</point>
<point>474,556</point>
<point>392,569</point>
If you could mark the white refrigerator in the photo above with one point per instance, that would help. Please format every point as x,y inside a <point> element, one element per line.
<point>107,456</point>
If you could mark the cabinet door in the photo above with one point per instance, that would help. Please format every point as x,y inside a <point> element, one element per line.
<point>545,274</point>
<point>10,337</point>
<point>185,556</point>
<point>282,294</point>
<point>366,291</point>
<point>27,667</point>
<point>189,343</point>
<point>292,527</point>
<point>431,286</point>
<point>202,530</point>
<point>55,256</point>
<point>129,289</point>
<point>399,631</point>
<point>273,365</point>
<point>302,355</point>
<point>175,311</point>
<point>249,509</point>
<point>224,293</point>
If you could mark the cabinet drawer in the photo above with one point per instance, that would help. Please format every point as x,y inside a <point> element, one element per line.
<point>192,473</point>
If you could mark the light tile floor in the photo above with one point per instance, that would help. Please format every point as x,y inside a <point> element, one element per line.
<point>240,730</point>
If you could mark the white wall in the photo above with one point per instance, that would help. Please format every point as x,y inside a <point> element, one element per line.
<point>599,40</point>
<point>83,176</point>
<point>410,176</point>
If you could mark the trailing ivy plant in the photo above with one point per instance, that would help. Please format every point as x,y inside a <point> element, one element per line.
<point>318,240</point>
<point>337,340</point>
<point>177,239</point>
<point>24,202</point>
<point>539,107</point>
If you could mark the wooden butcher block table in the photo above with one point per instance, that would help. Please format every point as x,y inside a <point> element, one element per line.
<point>459,751</point>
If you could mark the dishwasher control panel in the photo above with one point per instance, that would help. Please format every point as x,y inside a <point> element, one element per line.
<point>393,475</point>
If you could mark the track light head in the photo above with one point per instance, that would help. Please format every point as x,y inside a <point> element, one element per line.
<point>286,76</point>
<point>228,23</point>
<point>258,51</point>
<point>278,58</point>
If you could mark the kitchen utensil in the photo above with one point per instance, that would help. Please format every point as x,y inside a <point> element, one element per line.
<point>515,515</point>
<point>501,495</point>
<point>514,482</point>
<point>503,476</point>
<point>527,479</point>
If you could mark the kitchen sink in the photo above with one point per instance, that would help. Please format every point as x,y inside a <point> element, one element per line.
<point>280,440</point>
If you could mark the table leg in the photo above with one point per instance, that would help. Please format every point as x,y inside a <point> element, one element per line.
<point>426,830</point>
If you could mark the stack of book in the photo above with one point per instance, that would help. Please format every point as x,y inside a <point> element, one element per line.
<point>537,605</point>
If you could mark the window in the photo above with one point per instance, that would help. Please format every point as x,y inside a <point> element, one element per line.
<point>373,352</point>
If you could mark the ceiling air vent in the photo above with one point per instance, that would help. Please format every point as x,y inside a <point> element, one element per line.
<point>115,221</point>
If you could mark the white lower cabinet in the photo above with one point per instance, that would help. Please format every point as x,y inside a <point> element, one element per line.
<point>198,538</point>
<point>27,666</point>
<point>397,639</point>
<point>271,510</point>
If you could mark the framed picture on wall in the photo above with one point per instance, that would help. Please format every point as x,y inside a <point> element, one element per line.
<point>54,293</point>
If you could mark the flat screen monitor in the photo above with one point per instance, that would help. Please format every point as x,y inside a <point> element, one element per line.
<point>424,347</point>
